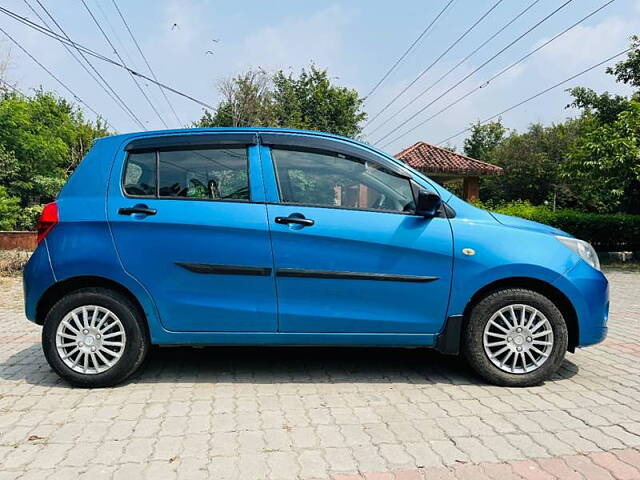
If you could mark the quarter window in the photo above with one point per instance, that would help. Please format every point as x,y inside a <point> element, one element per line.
<point>334,180</point>
<point>140,175</point>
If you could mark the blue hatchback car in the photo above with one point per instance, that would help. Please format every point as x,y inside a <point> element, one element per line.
<point>284,237</point>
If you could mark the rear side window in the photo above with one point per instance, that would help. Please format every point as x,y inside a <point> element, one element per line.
<point>140,175</point>
<point>204,174</point>
<point>215,174</point>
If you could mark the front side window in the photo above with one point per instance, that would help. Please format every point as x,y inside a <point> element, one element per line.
<point>214,174</point>
<point>334,180</point>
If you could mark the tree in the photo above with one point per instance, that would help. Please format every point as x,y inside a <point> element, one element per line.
<point>308,101</point>
<point>312,102</point>
<point>605,160</point>
<point>483,140</point>
<point>42,139</point>
<point>531,161</point>
<point>628,71</point>
<point>246,101</point>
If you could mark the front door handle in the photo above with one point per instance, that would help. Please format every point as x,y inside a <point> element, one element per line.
<point>295,220</point>
<point>139,210</point>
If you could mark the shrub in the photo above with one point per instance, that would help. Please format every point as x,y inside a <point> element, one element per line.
<point>9,210</point>
<point>606,232</point>
<point>28,218</point>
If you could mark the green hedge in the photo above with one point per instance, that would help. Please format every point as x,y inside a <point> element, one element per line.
<point>612,232</point>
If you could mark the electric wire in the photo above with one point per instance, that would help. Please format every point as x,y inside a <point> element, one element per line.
<point>51,34</point>
<point>408,50</point>
<point>95,74</point>
<point>421,74</point>
<point>503,71</point>
<point>546,90</point>
<point>135,80</point>
<point>7,86</point>
<point>75,96</point>
<point>86,69</point>
<point>144,57</point>
<point>473,52</point>
<point>548,16</point>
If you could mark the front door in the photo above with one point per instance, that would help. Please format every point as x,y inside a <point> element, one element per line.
<point>187,226</point>
<point>349,252</point>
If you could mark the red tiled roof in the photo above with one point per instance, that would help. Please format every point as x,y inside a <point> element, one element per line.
<point>431,159</point>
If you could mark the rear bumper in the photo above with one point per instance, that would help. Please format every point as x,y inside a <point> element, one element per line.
<point>588,291</point>
<point>37,278</point>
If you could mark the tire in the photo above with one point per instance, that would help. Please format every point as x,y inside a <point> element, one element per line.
<point>122,325</point>
<point>489,333</point>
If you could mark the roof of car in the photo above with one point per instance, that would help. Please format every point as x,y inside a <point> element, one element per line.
<point>183,131</point>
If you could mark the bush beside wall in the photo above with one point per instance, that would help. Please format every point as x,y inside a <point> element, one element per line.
<point>606,232</point>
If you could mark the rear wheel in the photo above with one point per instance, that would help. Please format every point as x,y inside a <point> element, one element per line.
<point>515,337</point>
<point>94,337</point>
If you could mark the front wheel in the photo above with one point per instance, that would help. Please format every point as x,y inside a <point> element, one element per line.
<point>515,337</point>
<point>94,337</point>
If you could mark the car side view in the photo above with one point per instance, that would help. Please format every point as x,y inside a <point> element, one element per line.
<point>256,236</point>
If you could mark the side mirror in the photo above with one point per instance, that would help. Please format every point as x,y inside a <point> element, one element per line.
<point>427,203</point>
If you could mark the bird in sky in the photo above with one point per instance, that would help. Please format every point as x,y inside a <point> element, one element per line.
<point>174,26</point>
<point>208,52</point>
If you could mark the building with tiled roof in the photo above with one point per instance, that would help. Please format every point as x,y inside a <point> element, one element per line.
<point>446,166</point>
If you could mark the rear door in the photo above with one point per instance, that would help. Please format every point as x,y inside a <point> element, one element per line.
<point>190,224</point>
<point>350,254</point>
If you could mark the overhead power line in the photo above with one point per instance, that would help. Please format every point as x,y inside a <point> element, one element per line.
<point>113,47</point>
<point>532,97</point>
<point>421,74</point>
<point>75,96</point>
<point>473,52</point>
<point>49,33</point>
<point>408,50</point>
<point>95,76</point>
<point>547,17</point>
<point>7,86</point>
<point>504,70</point>
<point>146,61</point>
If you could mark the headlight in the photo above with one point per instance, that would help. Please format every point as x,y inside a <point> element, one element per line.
<point>582,248</point>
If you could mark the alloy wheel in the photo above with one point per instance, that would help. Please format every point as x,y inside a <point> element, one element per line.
<point>90,339</point>
<point>518,339</point>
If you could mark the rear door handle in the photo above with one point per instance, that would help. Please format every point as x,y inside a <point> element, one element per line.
<point>140,210</point>
<point>305,222</point>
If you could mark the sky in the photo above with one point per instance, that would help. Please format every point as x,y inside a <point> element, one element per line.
<point>194,44</point>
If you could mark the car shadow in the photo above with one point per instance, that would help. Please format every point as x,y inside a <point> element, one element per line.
<point>267,365</point>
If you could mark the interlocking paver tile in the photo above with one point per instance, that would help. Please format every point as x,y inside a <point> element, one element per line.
<point>322,413</point>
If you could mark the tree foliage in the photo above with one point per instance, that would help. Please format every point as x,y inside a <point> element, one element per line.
<point>307,101</point>
<point>483,140</point>
<point>605,160</point>
<point>42,139</point>
<point>591,163</point>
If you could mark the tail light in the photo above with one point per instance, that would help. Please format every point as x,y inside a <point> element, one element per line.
<point>48,220</point>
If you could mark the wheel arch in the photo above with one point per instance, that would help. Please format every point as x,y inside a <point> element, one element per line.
<point>69,285</point>
<point>540,286</point>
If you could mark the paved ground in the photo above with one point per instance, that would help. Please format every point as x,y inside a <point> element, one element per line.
<point>322,413</point>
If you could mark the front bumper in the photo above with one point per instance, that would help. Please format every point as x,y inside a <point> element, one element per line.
<point>588,291</point>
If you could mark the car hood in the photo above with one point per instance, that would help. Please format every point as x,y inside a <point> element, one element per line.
<point>521,223</point>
